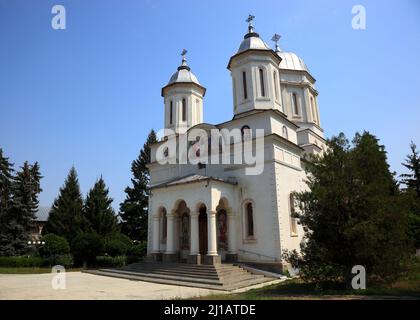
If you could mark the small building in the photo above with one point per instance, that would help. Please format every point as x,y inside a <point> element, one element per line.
<point>41,217</point>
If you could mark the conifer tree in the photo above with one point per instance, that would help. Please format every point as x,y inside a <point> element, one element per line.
<point>6,179</point>
<point>66,216</point>
<point>98,211</point>
<point>411,181</point>
<point>19,217</point>
<point>134,209</point>
<point>352,214</point>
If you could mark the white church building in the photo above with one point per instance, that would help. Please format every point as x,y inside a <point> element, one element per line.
<point>211,213</point>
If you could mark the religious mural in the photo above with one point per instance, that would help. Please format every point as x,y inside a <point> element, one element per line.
<point>185,232</point>
<point>222,230</point>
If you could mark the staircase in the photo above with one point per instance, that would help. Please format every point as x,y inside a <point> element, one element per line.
<point>220,277</point>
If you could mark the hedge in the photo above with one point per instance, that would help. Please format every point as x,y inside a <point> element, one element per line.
<point>107,261</point>
<point>21,262</point>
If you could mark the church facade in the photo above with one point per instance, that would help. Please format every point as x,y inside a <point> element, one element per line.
<point>208,213</point>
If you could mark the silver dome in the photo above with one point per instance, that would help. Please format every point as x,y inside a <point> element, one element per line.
<point>183,75</point>
<point>291,61</point>
<point>252,42</point>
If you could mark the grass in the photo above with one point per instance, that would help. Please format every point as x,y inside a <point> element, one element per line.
<point>407,285</point>
<point>4,270</point>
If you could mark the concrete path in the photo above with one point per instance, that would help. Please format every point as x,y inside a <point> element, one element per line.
<point>87,286</point>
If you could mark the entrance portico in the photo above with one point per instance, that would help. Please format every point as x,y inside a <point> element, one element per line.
<point>194,221</point>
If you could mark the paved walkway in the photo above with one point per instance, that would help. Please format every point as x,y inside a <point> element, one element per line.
<point>87,286</point>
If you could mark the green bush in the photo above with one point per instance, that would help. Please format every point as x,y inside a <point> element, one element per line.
<point>137,252</point>
<point>117,245</point>
<point>65,260</point>
<point>54,246</point>
<point>21,262</point>
<point>85,247</point>
<point>107,261</point>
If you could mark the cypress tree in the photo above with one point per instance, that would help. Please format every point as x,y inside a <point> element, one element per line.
<point>66,216</point>
<point>134,209</point>
<point>98,211</point>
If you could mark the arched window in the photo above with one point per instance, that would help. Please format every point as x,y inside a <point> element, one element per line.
<point>184,110</point>
<point>262,85</point>
<point>171,108</point>
<point>293,225</point>
<point>249,211</point>
<point>313,110</point>
<point>285,134</point>
<point>164,225</point>
<point>295,104</point>
<point>246,133</point>
<point>275,85</point>
<point>244,85</point>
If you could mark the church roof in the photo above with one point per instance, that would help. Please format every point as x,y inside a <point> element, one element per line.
<point>42,213</point>
<point>291,61</point>
<point>184,75</point>
<point>191,179</point>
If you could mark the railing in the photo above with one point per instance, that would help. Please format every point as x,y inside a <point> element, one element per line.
<point>259,255</point>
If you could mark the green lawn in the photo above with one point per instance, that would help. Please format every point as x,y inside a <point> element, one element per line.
<point>31,270</point>
<point>407,285</point>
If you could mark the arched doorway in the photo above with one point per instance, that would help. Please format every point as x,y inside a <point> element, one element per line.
<point>202,230</point>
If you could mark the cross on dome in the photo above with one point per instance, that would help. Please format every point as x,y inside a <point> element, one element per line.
<point>249,20</point>
<point>276,37</point>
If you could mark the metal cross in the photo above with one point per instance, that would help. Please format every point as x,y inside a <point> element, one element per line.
<point>276,39</point>
<point>250,18</point>
<point>183,53</point>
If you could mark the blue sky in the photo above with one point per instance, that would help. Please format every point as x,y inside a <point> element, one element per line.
<point>87,96</point>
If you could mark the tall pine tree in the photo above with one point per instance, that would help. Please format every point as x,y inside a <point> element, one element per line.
<point>20,215</point>
<point>6,179</point>
<point>98,211</point>
<point>66,216</point>
<point>411,181</point>
<point>134,209</point>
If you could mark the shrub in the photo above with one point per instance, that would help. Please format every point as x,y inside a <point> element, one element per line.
<point>137,252</point>
<point>107,261</point>
<point>54,246</point>
<point>85,248</point>
<point>65,260</point>
<point>117,245</point>
<point>21,262</point>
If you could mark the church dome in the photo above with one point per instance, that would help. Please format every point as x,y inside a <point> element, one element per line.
<point>291,61</point>
<point>252,41</point>
<point>183,74</point>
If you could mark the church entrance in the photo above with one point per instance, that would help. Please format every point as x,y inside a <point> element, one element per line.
<point>202,231</point>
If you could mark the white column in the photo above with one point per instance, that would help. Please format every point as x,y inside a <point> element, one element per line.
<point>194,241</point>
<point>211,233</point>
<point>170,233</point>
<point>231,231</point>
<point>155,246</point>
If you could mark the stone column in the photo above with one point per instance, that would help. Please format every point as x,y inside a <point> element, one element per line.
<point>157,256</point>
<point>170,254</point>
<point>194,256</point>
<point>212,256</point>
<point>232,254</point>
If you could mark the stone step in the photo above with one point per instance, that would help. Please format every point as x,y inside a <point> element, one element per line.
<point>161,276</point>
<point>220,277</point>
